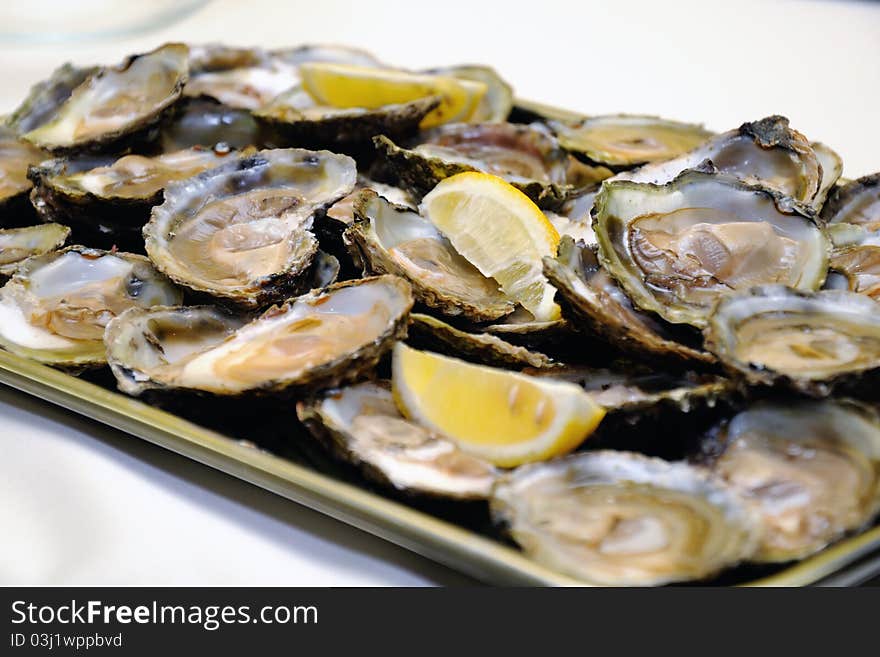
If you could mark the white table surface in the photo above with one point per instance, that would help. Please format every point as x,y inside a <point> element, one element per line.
<point>83,504</point>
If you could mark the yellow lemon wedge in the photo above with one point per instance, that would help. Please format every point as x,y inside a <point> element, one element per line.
<point>344,86</point>
<point>504,417</point>
<point>500,231</point>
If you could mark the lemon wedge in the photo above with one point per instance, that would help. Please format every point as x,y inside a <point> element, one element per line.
<point>500,231</point>
<point>345,86</point>
<point>504,417</point>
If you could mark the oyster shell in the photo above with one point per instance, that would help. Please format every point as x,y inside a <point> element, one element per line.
<point>676,248</point>
<point>620,518</point>
<point>856,257</point>
<point>116,106</point>
<point>55,307</point>
<point>249,78</point>
<point>318,340</point>
<point>526,156</point>
<point>595,304</point>
<point>393,239</point>
<point>17,244</point>
<point>573,218</point>
<point>46,97</point>
<point>107,199</point>
<point>832,167</point>
<point>811,341</point>
<point>363,425</point>
<point>208,123</point>
<point>623,141</point>
<point>857,202</point>
<point>297,119</point>
<point>427,332</point>
<point>15,158</point>
<point>243,231</point>
<point>811,468</point>
<point>767,153</point>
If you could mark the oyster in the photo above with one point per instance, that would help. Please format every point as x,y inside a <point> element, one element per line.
<point>811,468</point>
<point>598,306</point>
<point>496,104</point>
<point>55,307</point>
<point>857,202</point>
<point>15,158</point>
<point>856,257</point>
<point>527,156</point>
<point>766,153</point>
<point>624,141</point>
<point>17,244</point>
<point>296,118</point>
<point>832,167</point>
<point>619,518</point>
<point>427,332</point>
<point>108,200</point>
<point>249,78</point>
<point>363,425</point>
<point>205,122</point>
<point>318,340</point>
<point>46,97</point>
<point>811,341</point>
<point>675,249</point>
<point>243,231</point>
<point>394,239</point>
<point>116,106</point>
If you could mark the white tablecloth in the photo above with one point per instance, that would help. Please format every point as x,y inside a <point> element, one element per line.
<point>80,503</point>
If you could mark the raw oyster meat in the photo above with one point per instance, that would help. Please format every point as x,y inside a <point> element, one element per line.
<point>624,141</point>
<point>811,469</point>
<point>620,518</point>
<point>393,239</point>
<point>243,231</point>
<point>676,249</point>
<point>15,158</point>
<point>17,244</point>
<point>319,340</point>
<point>56,306</point>
<point>116,106</point>
<point>811,341</point>
<point>362,423</point>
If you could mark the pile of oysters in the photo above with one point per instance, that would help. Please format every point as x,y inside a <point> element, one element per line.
<point>197,221</point>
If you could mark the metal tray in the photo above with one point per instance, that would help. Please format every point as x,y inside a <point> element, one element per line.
<point>436,533</point>
<point>288,464</point>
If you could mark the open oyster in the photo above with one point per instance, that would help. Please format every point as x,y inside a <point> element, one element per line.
<point>46,97</point>
<point>362,424</point>
<point>427,332</point>
<point>766,153</point>
<point>857,202</point>
<point>249,78</point>
<point>15,158</point>
<point>393,239</point>
<point>811,468</point>
<point>115,106</point>
<point>205,122</point>
<point>676,248</point>
<point>17,244</point>
<point>811,341</point>
<point>856,258</point>
<point>526,156</point>
<point>55,307</point>
<point>624,141</point>
<point>318,340</point>
<point>243,231</point>
<point>108,200</point>
<point>619,518</point>
<point>296,118</point>
<point>597,305</point>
